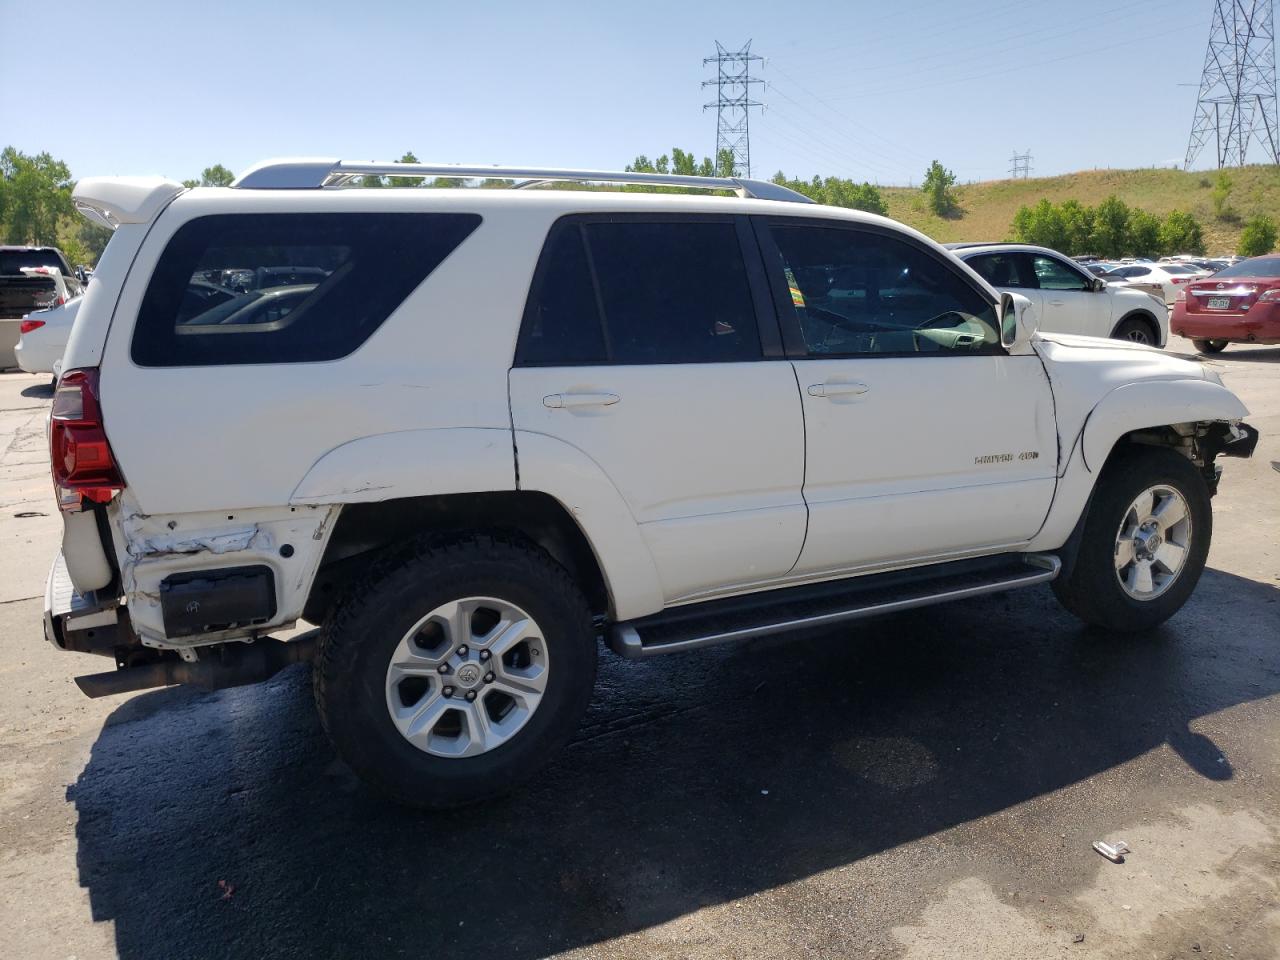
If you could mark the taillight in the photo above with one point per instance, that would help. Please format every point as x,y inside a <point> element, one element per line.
<point>1181,297</point>
<point>83,465</point>
<point>1270,296</point>
<point>28,325</point>
<point>1180,279</point>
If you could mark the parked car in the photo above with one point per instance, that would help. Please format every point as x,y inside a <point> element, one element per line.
<point>1170,276</point>
<point>512,421</point>
<point>31,278</point>
<point>44,335</point>
<point>1067,298</point>
<point>1240,304</point>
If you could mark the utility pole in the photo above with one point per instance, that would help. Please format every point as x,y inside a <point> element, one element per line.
<point>1021,168</point>
<point>733,103</point>
<point>1237,101</point>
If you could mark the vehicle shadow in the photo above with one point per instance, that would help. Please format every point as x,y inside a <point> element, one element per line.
<point>1239,354</point>
<point>42,391</point>
<point>219,824</point>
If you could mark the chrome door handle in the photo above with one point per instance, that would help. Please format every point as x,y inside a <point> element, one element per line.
<point>837,389</point>
<point>559,401</point>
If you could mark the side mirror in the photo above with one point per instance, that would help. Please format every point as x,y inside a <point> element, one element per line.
<point>1097,284</point>
<point>1017,323</point>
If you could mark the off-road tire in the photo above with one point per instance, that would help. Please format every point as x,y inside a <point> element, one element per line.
<point>364,628</point>
<point>1135,325</point>
<point>1092,590</point>
<point>1209,346</point>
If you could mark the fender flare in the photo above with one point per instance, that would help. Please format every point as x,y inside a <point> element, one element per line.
<point>411,463</point>
<point>1153,403</point>
<point>564,472</point>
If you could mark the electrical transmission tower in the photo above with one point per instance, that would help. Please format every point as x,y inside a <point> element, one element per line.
<point>733,103</point>
<point>1021,168</point>
<point>1237,102</point>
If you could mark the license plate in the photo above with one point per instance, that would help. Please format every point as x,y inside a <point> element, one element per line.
<point>1219,303</point>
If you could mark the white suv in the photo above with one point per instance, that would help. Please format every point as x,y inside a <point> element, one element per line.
<point>1069,299</point>
<point>494,425</point>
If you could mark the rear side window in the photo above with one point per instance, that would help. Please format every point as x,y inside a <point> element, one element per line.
<point>640,292</point>
<point>285,288</point>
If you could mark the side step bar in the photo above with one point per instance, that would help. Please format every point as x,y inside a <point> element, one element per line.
<point>821,605</point>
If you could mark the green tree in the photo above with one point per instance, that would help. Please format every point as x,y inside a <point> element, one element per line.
<point>406,181</point>
<point>1221,194</point>
<point>215,176</point>
<point>1258,237</point>
<point>1042,225</point>
<point>1110,236</point>
<point>939,190</point>
<point>1181,233</point>
<point>35,193</point>
<point>1144,234</point>
<point>1077,226</point>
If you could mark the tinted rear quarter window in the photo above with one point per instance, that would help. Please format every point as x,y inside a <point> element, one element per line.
<point>285,288</point>
<point>632,291</point>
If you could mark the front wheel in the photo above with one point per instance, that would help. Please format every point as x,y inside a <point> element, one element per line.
<point>1209,346</point>
<point>1144,544</point>
<point>455,670</point>
<point>1135,330</point>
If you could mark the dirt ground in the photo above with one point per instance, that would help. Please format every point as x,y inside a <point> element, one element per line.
<point>926,786</point>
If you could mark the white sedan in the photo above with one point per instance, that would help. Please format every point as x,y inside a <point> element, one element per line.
<point>1170,276</point>
<point>44,335</point>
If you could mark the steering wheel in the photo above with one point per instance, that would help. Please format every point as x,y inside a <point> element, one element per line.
<point>935,322</point>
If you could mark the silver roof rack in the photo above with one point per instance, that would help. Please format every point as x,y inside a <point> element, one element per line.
<point>313,173</point>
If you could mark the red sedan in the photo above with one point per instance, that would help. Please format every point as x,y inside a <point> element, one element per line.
<point>1240,304</point>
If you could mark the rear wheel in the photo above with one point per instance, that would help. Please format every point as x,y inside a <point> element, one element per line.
<point>1135,330</point>
<point>1144,545</point>
<point>456,670</point>
<point>1209,346</point>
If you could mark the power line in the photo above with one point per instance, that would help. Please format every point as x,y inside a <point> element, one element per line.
<point>733,103</point>
<point>1237,100</point>
<point>1021,169</point>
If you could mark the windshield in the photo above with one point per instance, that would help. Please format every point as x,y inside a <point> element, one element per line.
<point>1257,267</point>
<point>12,261</point>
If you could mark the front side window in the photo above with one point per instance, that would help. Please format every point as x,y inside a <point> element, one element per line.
<point>285,288</point>
<point>1055,275</point>
<point>861,292</point>
<point>640,292</point>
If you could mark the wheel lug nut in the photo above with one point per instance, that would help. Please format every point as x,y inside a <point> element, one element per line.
<point>471,694</point>
<point>488,678</point>
<point>447,691</point>
<point>462,650</point>
<point>443,668</point>
<point>485,654</point>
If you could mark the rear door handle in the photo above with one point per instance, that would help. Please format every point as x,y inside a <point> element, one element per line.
<point>838,389</point>
<point>1055,303</point>
<point>559,401</point>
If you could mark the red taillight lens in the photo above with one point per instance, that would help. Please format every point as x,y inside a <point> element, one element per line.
<point>28,325</point>
<point>78,449</point>
<point>1180,279</point>
<point>1270,296</point>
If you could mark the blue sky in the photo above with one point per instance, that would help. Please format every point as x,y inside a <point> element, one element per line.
<point>870,91</point>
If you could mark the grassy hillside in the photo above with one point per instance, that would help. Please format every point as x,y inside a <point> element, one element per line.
<point>987,208</point>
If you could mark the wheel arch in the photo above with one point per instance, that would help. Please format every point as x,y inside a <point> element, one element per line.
<point>365,531</point>
<point>1146,316</point>
<point>1153,412</point>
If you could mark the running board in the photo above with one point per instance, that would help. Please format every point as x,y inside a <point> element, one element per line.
<point>824,604</point>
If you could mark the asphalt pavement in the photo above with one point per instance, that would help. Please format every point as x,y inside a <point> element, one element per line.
<point>922,786</point>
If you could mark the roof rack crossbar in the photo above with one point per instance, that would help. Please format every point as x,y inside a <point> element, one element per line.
<point>310,174</point>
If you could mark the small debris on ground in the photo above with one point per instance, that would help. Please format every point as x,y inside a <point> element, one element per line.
<point>1114,851</point>
<point>228,889</point>
<point>1078,938</point>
